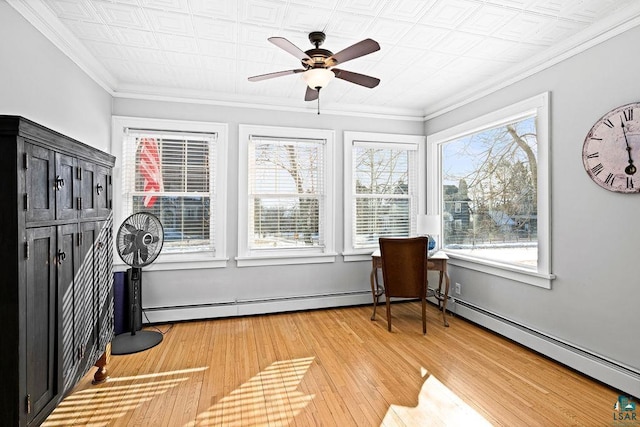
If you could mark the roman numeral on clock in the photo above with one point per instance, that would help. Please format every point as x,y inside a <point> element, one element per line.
<point>610,179</point>
<point>597,169</point>
<point>628,114</point>
<point>608,123</point>
<point>629,182</point>
<point>593,155</point>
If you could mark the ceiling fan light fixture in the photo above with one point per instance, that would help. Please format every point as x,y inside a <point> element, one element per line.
<point>318,77</point>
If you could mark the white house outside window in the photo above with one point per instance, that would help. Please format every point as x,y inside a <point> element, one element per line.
<point>171,169</point>
<point>286,202</point>
<point>383,189</point>
<point>488,181</point>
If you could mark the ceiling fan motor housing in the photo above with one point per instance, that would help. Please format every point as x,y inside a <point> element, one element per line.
<point>316,38</point>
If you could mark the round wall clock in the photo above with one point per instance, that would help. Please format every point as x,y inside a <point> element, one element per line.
<point>611,150</point>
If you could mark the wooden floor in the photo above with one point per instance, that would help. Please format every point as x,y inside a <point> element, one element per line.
<point>336,367</point>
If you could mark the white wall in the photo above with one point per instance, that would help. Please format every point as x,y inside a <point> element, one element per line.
<point>593,303</point>
<point>39,82</point>
<point>211,287</point>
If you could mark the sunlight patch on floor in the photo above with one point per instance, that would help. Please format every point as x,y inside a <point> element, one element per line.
<point>437,406</point>
<point>107,402</point>
<point>269,398</point>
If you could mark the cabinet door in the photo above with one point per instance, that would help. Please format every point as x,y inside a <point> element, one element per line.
<point>86,297</point>
<point>94,190</point>
<point>103,191</point>
<point>66,187</point>
<point>67,244</point>
<point>104,283</point>
<point>88,189</point>
<point>42,373</point>
<point>39,203</point>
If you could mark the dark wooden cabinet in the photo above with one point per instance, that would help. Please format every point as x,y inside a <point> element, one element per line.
<point>56,240</point>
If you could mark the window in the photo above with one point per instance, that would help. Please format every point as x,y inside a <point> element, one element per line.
<point>285,206</point>
<point>383,189</point>
<point>489,180</point>
<point>175,171</point>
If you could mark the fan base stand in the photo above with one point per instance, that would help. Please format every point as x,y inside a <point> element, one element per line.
<point>129,343</point>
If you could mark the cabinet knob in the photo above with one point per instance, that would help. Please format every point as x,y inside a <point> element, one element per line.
<point>99,189</point>
<point>61,256</point>
<point>59,182</point>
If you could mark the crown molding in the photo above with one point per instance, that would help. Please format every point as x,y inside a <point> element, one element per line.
<point>166,94</point>
<point>613,25</point>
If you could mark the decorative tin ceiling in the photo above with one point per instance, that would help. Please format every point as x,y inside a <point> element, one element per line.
<point>434,53</point>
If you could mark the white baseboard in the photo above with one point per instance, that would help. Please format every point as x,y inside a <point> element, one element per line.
<point>615,374</point>
<point>250,307</point>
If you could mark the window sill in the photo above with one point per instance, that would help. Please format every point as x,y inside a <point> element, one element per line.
<point>285,259</point>
<point>507,271</point>
<point>358,255</point>
<point>190,261</point>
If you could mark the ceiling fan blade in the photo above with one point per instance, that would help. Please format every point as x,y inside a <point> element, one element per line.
<point>359,79</point>
<point>294,50</point>
<point>357,50</point>
<point>311,94</point>
<point>276,74</point>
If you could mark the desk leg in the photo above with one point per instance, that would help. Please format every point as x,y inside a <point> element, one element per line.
<point>439,296</point>
<point>446,297</point>
<point>374,288</point>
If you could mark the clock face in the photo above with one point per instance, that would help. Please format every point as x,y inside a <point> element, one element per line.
<point>611,150</point>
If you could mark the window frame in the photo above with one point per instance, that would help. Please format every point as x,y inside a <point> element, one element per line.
<point>285,256</point>
<point>537,106</point>
<point>384,139</point>
<point>176,261</point>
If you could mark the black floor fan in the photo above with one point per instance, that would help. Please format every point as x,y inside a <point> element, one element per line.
<point>139,242</point>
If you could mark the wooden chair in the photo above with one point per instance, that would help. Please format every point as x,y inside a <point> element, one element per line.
<point>404,272</point>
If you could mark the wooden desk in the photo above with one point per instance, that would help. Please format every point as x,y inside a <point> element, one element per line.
<point>436,262</point>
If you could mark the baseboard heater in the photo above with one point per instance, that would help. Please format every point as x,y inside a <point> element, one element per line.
<point>244,307</point>
<point>616,375</point>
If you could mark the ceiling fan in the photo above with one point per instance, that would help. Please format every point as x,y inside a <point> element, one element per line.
<point>318,64</point>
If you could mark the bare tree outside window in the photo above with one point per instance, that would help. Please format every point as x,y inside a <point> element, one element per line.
<point>490,192</point>
<point>383,201</point>
<point>286,194</point>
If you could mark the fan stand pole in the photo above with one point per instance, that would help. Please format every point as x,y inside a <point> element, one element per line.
<point>133,342</point>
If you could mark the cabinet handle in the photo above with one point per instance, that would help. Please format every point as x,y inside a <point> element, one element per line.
<point>99,188</point>
<point>61,256</point>
<point>59,182</point>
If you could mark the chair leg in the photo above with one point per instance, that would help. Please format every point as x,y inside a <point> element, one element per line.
<point>388,314</point>
<point>424,315</point>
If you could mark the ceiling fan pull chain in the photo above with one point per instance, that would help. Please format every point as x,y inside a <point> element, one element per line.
<point>318,89</point>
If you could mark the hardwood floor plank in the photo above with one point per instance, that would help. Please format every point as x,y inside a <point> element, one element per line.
<point>336,367</point>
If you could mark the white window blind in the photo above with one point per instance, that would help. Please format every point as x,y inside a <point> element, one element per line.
<point>171,174</point>
<point>286,193</point>
<point>384,192</point>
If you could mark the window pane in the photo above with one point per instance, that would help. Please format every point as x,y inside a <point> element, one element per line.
<point>285,222</point>
<point>377,217</point>
<point>285,193</point>
<point>490,194</point>
<point>171,179</point>
<point>185,220</point>
<point>384,200</point>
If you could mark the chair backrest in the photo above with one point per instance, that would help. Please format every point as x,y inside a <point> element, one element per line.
<point>404,266</point>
